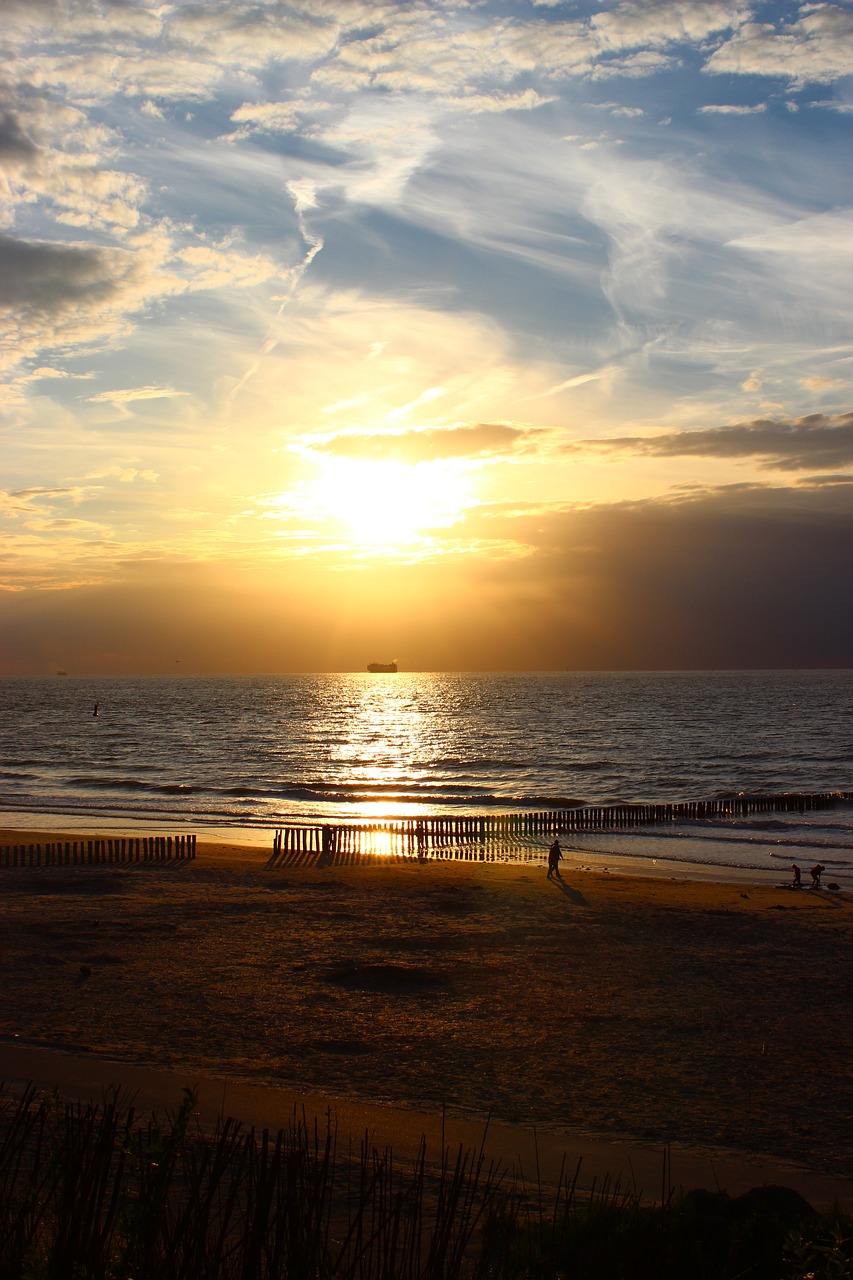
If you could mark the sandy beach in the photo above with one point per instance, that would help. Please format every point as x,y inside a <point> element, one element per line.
<point>607,1007</point>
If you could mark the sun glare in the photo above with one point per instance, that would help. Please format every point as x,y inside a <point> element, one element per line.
<point>390,503</point>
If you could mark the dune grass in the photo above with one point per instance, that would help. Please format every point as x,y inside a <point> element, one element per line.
<point>94,1192</point>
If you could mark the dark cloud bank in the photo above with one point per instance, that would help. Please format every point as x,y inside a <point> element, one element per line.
<point>818,442</point>
<point>739,577</point>
<point>814,443</point>
<point>743,577</point>
<point>50,278</point>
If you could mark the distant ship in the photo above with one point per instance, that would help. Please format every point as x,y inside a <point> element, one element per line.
<point>381,666</point>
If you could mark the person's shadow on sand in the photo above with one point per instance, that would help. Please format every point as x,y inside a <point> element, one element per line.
<point>574,895</point>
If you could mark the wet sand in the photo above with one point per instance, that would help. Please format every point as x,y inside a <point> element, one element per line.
<point>605,1008</point>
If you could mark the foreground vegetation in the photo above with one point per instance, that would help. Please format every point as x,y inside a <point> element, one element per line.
<point>94,1193</point>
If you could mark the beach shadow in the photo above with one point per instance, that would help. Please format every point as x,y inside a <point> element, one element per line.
<point>294,858</point>
<point>574,895</point>
<point>836,898</point>
<point>388,979</point>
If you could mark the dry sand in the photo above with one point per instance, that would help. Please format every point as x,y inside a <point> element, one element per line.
<point>712,1016</point>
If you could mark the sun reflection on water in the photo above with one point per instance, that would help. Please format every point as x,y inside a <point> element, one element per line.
<point>386,726</point>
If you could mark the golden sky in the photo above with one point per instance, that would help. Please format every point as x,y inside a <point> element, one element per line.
<point>475,335</point>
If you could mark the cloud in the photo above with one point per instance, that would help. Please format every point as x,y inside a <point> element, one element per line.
<point>35,493</point>
<point>724,109</point>
<point>42,500</point>
<point>673,240</point>
<point>816,48</point>
<point>819,236</point>
<point>55,295</point>
<point>246,34</point>
<point>646,62</point>
<point>631,39</point>
<point>426,444</point>
<point>45,371</point>
<point>125,475</point>
<point>387,139</point>
<point>214,266</point>
<point>477,103</point>
<point>742,576</point>
<point>811,443</point>
<point>44,279</point>
<point>305,112</point>
<point>460,60</point>
<point>128,394</point>
<point>15,146</point>
<point>579,379</point>
<point>808,259</point>
<point>174,52</point>
<point>57,154</point>
<point>267,117</point>
<point>665,22</point>
<point>827,104</point>
<point>819,382</point>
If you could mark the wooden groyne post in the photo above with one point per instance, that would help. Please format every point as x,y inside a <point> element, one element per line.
<point>119,851</point>
<point>441,836</point>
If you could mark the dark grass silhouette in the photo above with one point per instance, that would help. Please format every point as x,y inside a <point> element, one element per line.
<point>96,1193</point>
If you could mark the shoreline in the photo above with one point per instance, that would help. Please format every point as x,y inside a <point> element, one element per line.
<point>41,828</point>
<point>656,1011</point>
<point>226,845</point>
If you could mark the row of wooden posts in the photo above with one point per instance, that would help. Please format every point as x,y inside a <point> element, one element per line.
<point>123,851</point>
<point>409,837</point>
<point>412,837</point>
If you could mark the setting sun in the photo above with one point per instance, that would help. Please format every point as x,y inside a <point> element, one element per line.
<point>390,503</point>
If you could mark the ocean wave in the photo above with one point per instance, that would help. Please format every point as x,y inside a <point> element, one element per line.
<point>449,796</point>
<point>505,764</point>
<point>829,862</point>
<point>453,792</point>
<point>802,826</point>
<point>132,784</point>
<point>359,793</point>
<point>268,793</point>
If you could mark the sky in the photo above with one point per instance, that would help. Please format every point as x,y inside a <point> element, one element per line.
<point>498,334</point>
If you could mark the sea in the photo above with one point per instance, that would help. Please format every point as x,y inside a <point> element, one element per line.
<point>237,757</point>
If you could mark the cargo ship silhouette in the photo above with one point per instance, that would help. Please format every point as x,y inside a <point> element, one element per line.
<point>381,666</point>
